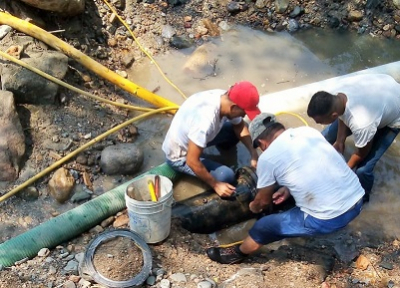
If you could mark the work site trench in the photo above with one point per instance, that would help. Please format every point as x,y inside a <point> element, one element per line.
<point>273,62</point>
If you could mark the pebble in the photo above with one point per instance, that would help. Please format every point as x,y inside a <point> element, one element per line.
<point>69,284</point>
<point>164,283</point>
<point>178,277</point>
<point>43,252</point>
<point>52,270</point>
<point>4,30</point>
<point>79,257</point>
<point>72,266</point>
<point>204,284</point>
<point>151,280</point>
<point>84,283</point>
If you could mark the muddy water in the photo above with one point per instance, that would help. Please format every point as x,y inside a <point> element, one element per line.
<point>275,62</point>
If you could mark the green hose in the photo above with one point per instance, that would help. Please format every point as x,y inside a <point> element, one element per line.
<point>71,223</point>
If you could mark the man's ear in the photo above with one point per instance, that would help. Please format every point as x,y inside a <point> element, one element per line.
<point>335,115</point>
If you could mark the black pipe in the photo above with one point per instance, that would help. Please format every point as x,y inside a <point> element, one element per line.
<point>207,212</point>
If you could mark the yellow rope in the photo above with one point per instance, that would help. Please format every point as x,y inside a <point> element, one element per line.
<point>80,149</point>
<point>230,244</point>
<point>66,85</point>
<point>144,51</point>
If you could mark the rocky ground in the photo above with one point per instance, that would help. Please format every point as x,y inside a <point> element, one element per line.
<point>180,260</point>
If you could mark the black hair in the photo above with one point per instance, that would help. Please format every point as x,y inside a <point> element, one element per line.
<point>321,104</point>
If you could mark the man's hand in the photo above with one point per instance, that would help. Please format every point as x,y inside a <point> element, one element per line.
<point>339,146</point>
<point>255,208</point>
<point>253,162</point>
<point>224,189</point>
<point>281,195</point>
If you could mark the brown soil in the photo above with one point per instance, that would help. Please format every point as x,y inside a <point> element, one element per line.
<point>118,259</point>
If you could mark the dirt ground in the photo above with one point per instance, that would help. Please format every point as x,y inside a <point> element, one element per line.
<point>290,265</point>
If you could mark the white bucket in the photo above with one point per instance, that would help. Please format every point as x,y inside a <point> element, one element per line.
<point>151,220</point>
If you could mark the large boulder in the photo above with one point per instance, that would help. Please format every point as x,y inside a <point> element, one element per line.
<point>12,138</point>
<point>65,7</point>
<point>123,159</point>
<point>27,86</point>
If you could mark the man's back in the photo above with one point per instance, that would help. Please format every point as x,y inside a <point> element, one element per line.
<point>372,100</point>
<point>318,178</point>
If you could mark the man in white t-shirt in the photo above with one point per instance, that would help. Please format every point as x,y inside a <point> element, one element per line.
<point>327,193</point>
<point>367,106</point>
<point>213,117</point>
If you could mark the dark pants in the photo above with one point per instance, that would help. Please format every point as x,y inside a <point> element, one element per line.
<point>225,139</point>
<point>365,170</point>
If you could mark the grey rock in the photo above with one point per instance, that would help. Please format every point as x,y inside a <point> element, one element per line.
<point>178,277</point>
<point>181,42</point>
<point>151,280</point>
<point>12,138</point>
<point>66,7</point>
<point>293,25</point>
<point>204,284</point>
<point>297,11</point>
<point>164,283</point>
<point>80,195</point>
<point>234,7</point>
<point>4,30</point>
<point>386,265</point>
<point>69,284</point>
<point>333,22</point>
<point>176,2</point>
<point>29,194</point>
<point>29,87</point>
<point>281,5</point>
<point>72,267</point>
<point>122,159</point>
<point>79,257</point>
<point>168,31</point>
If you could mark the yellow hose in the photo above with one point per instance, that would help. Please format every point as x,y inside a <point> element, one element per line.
<point>80,149</point>
<point>293,114</point>
<point>61,83</point>
<point>85,60</point>
<point>144,50</point>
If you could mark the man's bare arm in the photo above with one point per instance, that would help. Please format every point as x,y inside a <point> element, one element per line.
<point>193,161</point>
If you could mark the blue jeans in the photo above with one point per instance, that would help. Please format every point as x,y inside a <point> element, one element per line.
<point>293,223</point>
<point>225,139</point>
<point>365,170</point>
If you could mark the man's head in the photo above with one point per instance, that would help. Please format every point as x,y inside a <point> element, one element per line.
<point>322,108</point>
<point>263,128</point>
<point>245,96</point>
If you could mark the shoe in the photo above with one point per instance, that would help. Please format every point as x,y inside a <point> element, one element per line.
<point>230,255</point>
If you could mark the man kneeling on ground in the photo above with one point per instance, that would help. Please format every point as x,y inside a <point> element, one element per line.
<point>327,192</point>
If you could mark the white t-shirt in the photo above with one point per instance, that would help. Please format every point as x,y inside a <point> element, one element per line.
<point>373,102</point>
<point>318,178</point>
<point>198,120</point>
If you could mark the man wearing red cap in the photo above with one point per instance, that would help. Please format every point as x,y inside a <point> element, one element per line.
<point>213,117</point>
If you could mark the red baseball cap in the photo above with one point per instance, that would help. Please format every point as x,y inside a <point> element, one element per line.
<point>245,95</point>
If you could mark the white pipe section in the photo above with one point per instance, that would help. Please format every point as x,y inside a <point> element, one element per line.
<point>296,99</point>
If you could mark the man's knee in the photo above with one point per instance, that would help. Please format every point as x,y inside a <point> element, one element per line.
<point>224,174</point>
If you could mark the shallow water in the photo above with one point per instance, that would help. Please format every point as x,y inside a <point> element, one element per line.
<point>275,62</point>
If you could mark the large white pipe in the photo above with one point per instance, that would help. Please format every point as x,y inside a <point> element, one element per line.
<point>296,99</point>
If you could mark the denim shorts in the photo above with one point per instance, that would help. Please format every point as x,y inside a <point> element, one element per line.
<point>295,223</point>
